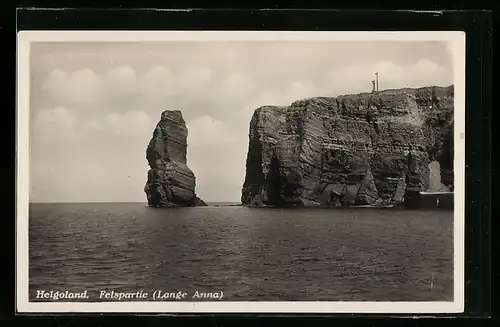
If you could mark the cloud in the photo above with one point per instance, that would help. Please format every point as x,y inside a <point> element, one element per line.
<point>158,87</point>
<point>54,125</point>
<point>58,116</point>
<point>119,80</point>
<point>237,86</point>
<point>157,83</point>
<point>207,131</point>
<point>161,88</point>
<point>195,76</point>
<point>131,123</point>
<point>357,78</point>
<point>196,90</point>
<point>78,86</point>
<point>299,90</point>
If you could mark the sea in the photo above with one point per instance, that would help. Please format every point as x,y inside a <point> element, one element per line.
<point>243,254</point>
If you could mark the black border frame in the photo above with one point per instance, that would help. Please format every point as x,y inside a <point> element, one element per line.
<point>478,27</point>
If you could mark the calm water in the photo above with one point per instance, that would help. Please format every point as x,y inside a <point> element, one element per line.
<point>249,254</point>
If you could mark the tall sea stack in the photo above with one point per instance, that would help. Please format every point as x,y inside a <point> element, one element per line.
<point>170,181</point>
<point>365,149</point>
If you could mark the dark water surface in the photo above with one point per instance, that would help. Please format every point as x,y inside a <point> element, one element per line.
<point>249,254</point>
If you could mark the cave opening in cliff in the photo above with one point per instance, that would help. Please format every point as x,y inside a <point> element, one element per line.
<point>275,182</point>
<point>254,179</point>
<point>334,199</point>
<point>155,198</point>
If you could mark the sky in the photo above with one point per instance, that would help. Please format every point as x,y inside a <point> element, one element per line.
<point>94,105</point>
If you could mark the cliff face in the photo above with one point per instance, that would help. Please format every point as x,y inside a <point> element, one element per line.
<point>170,181</point>
<point>365,149</point>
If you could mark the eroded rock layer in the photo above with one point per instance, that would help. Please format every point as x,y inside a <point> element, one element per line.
<point>170,181</point>
<point>365,149</point>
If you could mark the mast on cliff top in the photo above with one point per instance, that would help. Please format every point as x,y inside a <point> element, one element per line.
<point>376,79</point>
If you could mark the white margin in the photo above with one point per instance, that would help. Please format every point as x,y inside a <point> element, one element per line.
<point>456,41</point>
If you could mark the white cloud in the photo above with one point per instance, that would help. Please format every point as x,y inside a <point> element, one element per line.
<point>260,99</point>
<point>195,76</point>
<point>78,86</point>
<point>158,82</point>
<point>195,89</point>
<point>54,125</point>
<point>357,78</point>
<point>120,80</point>
<point>61,126</point>
<point>58,115</point>
<point>237,86</point>
<point>207,131</point>
<point>132,123</point>
<point>285,96</point>
<point>121,73</point>
<point>299,90</point>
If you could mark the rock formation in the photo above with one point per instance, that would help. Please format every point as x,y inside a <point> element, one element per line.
<point>365,149</point>
<point>170,181</point>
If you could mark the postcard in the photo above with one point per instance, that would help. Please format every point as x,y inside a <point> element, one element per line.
<point>240,171</point>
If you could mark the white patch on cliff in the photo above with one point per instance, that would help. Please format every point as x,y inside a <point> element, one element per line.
<point>435,184</point>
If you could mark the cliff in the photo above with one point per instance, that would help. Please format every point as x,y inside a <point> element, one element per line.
<point>170,181</point>
<point>366,149</point>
